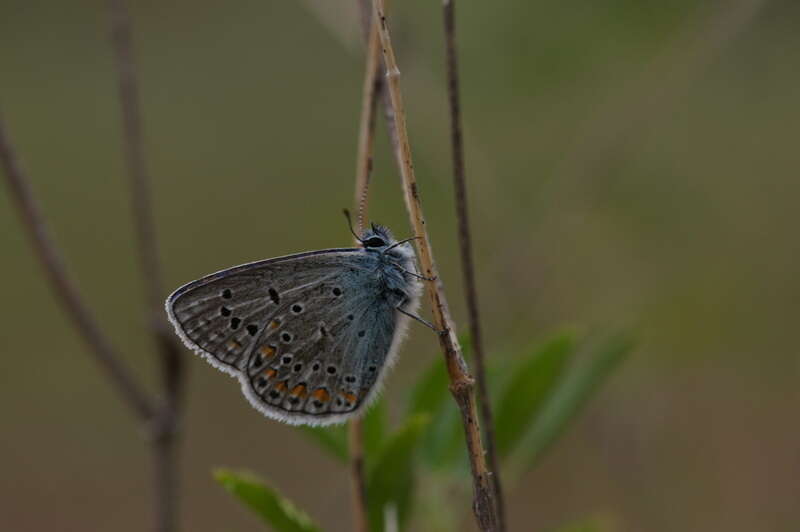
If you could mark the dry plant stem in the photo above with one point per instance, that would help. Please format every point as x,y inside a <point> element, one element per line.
<point>388,112</point>
<point>465,243</point>
<point>461,383</point>
<point>357,476</point>
<point>366,132</point>
<point>366,135</point>
<point>164,426</point>
<point>67,293</point>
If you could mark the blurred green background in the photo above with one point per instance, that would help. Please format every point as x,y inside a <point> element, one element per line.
<point>631,163</point>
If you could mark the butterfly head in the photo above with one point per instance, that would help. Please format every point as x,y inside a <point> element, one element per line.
<point>379,238</point>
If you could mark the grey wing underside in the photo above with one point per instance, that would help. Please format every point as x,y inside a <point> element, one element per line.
<point>307,341</point>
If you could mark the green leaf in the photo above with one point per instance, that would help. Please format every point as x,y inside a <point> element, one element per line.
<point>374,427</point>
<point>268,504</point>
<point>431,389</point>
<point>390,479</point>
<point>570,394</point>
<point>333,439</point>
<point>527,389</point>
<point>443,438</point>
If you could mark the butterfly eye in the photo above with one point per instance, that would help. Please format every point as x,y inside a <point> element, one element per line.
<point>374,242</point>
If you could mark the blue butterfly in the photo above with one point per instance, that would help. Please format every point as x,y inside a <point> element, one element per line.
<point>310,336</point>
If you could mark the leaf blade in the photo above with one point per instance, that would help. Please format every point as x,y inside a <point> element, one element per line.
<point>569,396</point>
<point>274,509</point>
<point>390,478</point>
<point>528,388</point>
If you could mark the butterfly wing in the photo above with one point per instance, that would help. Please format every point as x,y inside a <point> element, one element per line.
<point>308,335</point>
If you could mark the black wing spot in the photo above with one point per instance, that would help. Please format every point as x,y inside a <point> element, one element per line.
<point>323,331</point>
<point>274,394</point>
<point>273,295</point>
<point>227,294</point>
<point>372,369</point>
<point>257,362</point>
<point>337,291</point>
<point>331,370</point>
<point>225,311</point>
<point>338,402</point>
<point>286,337</point>
<point>317,403</point>
<point>235,322</point>
<point>287,359</point>
<point>361,334</point>
<point>297,309</point>
<point>298,367</point>
<point>252,329</point>
<point>262,382</point>
<point>294,400</point>
<point>315,367</point>
<point>350,317</point>
<point>350,379</point>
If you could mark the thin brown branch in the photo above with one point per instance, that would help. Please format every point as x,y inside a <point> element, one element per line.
<point>66,292</point>
<point>461,383</point>
<point>358,484</point>
<point>366,135</point>
<point>388,111</point>
<point>465,243</point>
<point>165,427</point>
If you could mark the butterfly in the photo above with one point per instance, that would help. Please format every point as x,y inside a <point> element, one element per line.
<point>310,336</point>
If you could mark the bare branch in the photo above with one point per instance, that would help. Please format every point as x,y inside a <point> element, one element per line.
<point>465,243</point>
<point>67,293</point>
<point>165,428</point>
<point>369,98</point>
<point>461,383</point>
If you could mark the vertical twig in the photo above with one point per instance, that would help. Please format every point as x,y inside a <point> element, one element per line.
<point>165,427</point>
<point>465,244</point>
<point>100,347</point>
<point>461,383</point>
<point>369,98</point>
<point>366,132</point>
<point>357,477</point>
<point>388,111</point>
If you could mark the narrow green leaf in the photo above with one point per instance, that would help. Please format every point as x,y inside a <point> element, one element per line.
<point>268,504</point>
<point>569,395</point>
<point>374,426</point>
<point>333,439</point>
<point>431,395</point>
<point>390,479</point>
<point>431,389</point>
<point>527,389</point>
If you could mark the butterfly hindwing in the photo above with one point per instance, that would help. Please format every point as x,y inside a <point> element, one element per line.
<point>327,350</point>
<point>308,335</point>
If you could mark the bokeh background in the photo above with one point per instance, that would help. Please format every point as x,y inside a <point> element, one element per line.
<point>632,163</point>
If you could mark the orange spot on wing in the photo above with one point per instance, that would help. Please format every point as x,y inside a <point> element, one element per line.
<point>274,324</point>
<point>267,350</point>
<point>233,344</point>
<point>299,390</point>
<point>350,397</point>
<point>281,386</point>
<point>270,373</point>
<point>321,394</point>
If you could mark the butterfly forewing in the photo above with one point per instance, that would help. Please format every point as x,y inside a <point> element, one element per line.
<point>305,334</point>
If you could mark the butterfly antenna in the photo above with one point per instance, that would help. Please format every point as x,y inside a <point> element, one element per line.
<point>350,224</point>
<point>400,243</point>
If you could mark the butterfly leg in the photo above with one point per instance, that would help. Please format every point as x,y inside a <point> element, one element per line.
<point>412,274</point>
<point>426,323</point>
